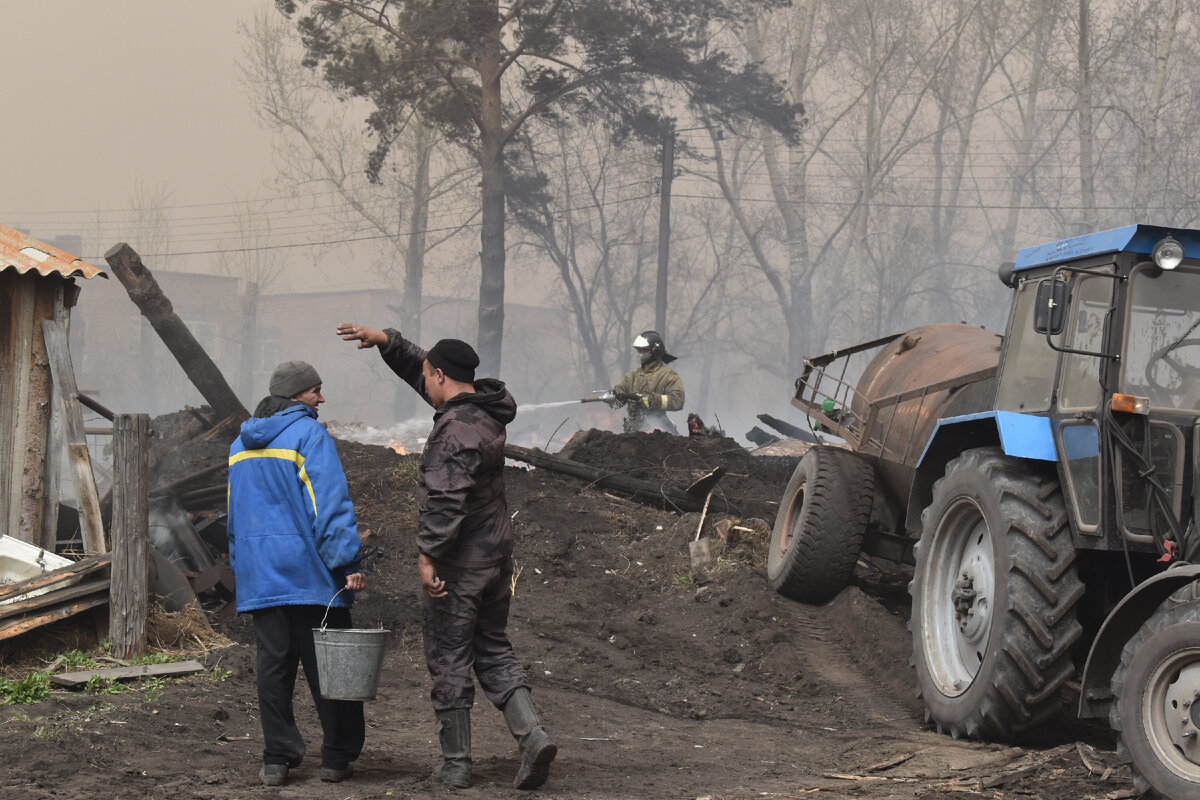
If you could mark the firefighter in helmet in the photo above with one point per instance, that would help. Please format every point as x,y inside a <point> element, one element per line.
<point>652,389</point>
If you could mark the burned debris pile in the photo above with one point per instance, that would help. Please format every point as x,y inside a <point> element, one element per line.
<point>750,487</point>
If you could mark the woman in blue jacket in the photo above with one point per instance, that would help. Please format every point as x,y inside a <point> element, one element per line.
<point>295,550</point>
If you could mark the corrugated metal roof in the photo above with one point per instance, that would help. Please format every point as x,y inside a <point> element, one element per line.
<point>24,253</point>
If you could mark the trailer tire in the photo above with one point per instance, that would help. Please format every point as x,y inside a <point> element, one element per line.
<point>1153,709</point>
<point>822,519</point>
<point>995,594</point>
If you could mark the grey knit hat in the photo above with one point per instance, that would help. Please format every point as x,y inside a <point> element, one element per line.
<point>293,377</point>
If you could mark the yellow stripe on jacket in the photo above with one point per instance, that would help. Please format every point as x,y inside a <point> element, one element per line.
<point>284,455</point>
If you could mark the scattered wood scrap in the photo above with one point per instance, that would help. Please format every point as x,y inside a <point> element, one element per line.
<point>79,569</point>
<point>843,776</point>
<point>896,761</point>
<point>68,593</point>
<point>77,680</point>
<point>1025,764</point>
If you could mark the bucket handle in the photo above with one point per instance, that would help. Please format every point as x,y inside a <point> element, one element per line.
<point>335,594</point>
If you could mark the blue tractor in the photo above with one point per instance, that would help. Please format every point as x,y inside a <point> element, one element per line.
<point>1045,486</point>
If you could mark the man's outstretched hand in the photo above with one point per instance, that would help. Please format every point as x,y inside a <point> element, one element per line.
<point>366,337</point>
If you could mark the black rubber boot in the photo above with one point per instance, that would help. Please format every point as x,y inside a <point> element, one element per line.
<point>454,733</point>
<point>537,751</point>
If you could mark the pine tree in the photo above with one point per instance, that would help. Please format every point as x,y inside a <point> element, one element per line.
<point>480,70</point>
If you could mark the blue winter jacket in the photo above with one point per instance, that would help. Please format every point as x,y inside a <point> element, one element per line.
<point>291,522</point>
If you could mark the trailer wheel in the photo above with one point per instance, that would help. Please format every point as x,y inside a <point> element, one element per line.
<point>994,595</point>
<point>1155,709</point>
<point>819,530</point>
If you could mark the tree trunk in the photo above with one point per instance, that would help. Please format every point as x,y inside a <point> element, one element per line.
<point>1154,107</point>
<point>664,233</point>
<point>1025,160</point>
<point>1087,187</point>
<point>412,297</point>
<point>490,334</point>
<point>248,378</point>
<point>790,189</point>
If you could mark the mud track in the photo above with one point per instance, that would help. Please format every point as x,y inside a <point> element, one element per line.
<point>656,682</point>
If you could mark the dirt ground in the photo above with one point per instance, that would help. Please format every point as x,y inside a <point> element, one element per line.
<point>656,681</point>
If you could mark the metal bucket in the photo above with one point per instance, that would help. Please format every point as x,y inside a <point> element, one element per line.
<point>349,661</point>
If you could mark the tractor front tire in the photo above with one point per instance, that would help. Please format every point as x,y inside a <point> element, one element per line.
<point>822,519</point>
<point>1156,710</point>
<point>995,594</point>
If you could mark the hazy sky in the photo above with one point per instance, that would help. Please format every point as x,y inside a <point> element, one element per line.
<point>102,93</point>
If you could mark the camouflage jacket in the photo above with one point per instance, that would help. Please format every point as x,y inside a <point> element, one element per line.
<point>463,515</point>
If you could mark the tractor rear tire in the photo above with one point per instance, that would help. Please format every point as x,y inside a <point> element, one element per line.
<point>822,519</point>
<point>994,598</point>
<point>1154,711</point>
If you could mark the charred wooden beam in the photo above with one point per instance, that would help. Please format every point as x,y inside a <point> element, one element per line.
<point>148,296</point>
<point>758,436</point>
<point>787,429</point>
<point>167,488</point>
<point>660,493</point>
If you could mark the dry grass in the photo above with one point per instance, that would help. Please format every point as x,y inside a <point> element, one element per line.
<point>182,633</point>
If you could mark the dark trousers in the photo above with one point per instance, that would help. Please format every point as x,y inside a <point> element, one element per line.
<point>465,631</point>
<point>285,640</point>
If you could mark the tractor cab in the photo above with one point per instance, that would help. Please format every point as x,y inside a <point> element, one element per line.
<point>1104,340</point>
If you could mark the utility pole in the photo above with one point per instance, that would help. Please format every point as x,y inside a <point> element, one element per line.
<point>664,232</point>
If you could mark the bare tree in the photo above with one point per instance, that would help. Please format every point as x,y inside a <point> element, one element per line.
<point>319,152</point>
<point>594,231</point>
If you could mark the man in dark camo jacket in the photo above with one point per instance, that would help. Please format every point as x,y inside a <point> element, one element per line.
<point>465,546</point>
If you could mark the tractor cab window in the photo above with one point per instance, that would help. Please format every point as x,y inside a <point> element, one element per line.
<point>1027,375</point>
<point>1092,300</point>
<point>1161,358</point>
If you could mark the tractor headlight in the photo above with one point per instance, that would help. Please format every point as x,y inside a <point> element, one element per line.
<point>1168,253</point>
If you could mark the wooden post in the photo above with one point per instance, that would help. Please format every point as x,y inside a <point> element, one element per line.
<point>56,444</point>
<point>24,410</point>
<point>66,395</point>
<point>146,294</point>
<point>128,596</point>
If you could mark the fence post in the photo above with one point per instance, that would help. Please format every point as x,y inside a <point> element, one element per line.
<point>128,595</point>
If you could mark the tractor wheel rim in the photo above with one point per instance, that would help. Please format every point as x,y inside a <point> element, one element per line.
<point>958,600</point>
<point>793,521</point>
<point>1171,713</point>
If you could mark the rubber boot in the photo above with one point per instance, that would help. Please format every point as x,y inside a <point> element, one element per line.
<point>454,733</point>
<point>537,751</point>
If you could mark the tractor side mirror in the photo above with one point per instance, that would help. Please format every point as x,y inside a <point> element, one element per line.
<point>1050,307</point>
